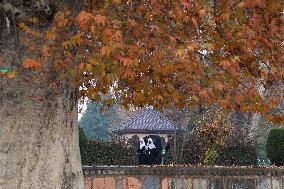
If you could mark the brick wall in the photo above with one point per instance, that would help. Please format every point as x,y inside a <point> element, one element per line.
<point>183,178</point>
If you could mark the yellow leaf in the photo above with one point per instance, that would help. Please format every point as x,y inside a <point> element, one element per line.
<point>209,46</point>
<point>236,59</point>
<point>11,74</point>
<point>273,69</point>
<point>61,19</point>
<point>89,67</point>
<point>93,61</point>
<point>33,20</point>
<point>45,51</point>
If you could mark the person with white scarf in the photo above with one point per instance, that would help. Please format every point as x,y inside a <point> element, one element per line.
<point>152,157</point>
<point>142,153</point>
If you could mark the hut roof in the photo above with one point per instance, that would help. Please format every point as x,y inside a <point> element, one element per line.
<point>147,121</point>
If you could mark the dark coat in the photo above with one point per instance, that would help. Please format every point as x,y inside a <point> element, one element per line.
<point>142,156</point>
<point>152,156</point>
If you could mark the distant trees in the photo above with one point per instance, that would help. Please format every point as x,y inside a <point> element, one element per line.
<point>97,123</point>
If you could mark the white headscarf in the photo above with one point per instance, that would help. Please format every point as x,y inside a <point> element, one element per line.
<point>150,144</point>
<point>142,143</point>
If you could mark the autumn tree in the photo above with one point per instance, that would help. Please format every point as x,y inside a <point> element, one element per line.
<point>152,52</point>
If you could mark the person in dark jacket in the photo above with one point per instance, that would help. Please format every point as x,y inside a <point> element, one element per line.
<point>153,152</point>
<point>142,153</point>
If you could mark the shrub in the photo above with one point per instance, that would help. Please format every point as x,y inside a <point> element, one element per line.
<point>210,155</point>
<point>239,149</point>
<point>275,146</point>
<point>237,155</point>
<point>192,151</point>
<point>114,152</point>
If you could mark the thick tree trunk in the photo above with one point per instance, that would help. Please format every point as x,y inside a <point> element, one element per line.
<point>38,137</point>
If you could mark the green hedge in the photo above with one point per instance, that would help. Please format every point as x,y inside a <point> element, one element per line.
<point>239,149</point>
<point>275,146</point>
<point>115,152</point>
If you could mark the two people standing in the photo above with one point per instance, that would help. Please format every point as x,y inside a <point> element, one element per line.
<point>148,153</point>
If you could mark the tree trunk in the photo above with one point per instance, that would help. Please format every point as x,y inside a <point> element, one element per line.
<point>39,141</point>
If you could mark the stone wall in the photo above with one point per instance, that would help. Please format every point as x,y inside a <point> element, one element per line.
<point>182,177</point>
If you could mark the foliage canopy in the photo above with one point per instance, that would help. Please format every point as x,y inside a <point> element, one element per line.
<point>159,52</point>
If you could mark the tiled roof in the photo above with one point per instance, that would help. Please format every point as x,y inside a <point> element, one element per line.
<point>147,121</point>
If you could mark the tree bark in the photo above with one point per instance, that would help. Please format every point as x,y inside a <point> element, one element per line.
<point>39,139</point>
<point>39,142</point>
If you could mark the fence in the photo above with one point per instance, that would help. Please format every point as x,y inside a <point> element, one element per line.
<point>183,177</point>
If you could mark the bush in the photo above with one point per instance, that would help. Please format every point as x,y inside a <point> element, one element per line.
<point>239,149</point>
<point>114,152</point>
<point>210,156</point>
<point>237,155</point>
<point>192,151</point>
<point>275,146</point>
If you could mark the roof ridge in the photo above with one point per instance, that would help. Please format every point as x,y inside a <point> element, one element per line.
<point>148,119</point>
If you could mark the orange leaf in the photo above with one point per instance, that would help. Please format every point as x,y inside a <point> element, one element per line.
<point>83,18</point>
<point>106,50</point>
<point>239,98</point>
<point>116,1</point>
<point>218,85</point>
<point>100,19</point>
<point>201,13</point>
<point>118,36</point>
<point>11,74</point>
<point>108,34</point>
<point>186,5</point>
<point>225,103</point>
<point>127,62</point>
<point>273,102</point>
<point>194,22</point>
<point>32,47</point>
<point>251,93</point>
<point>205,94</point>
<point>32,64</point>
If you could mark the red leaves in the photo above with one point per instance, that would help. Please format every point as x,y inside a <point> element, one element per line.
<point>83,18</point>
<point>127,62</point>
<point>179,43</point>
<point>116,1</point>
<point>31,64</point>
<point>185,4</point>
<point>231,67</point>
